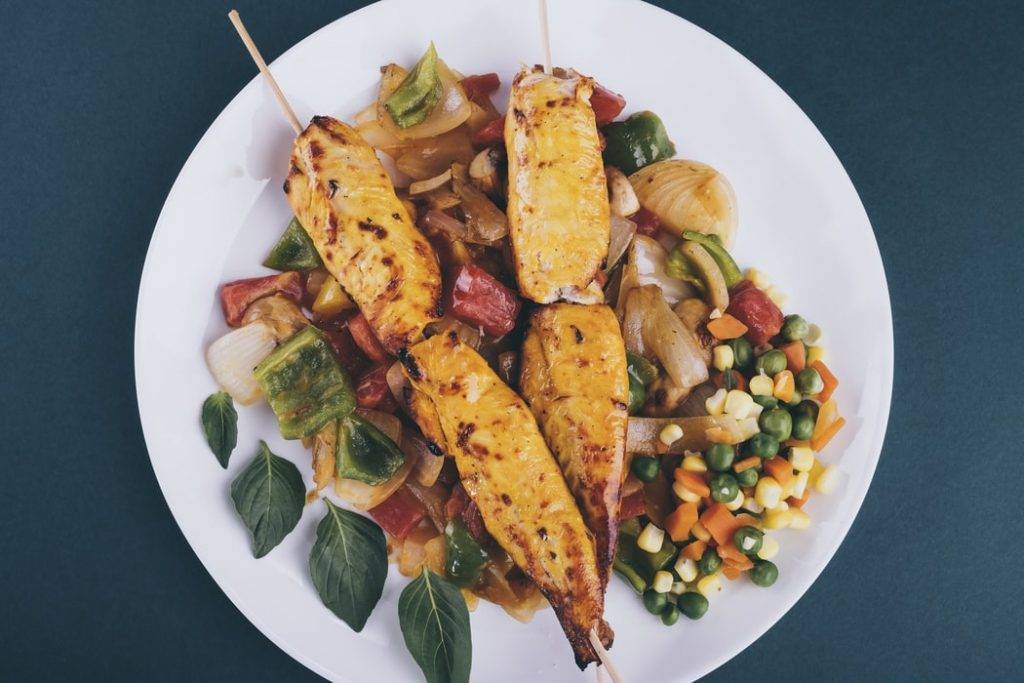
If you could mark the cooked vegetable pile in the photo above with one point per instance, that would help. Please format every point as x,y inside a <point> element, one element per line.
<point>521,346</point>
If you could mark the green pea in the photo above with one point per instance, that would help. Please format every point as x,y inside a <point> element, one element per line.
<point>764,573</point>
<point>794,328</point>
<point>803,427</point>
<point>645,469</point>
<point>742,353</point>
<point>747,477</point>
<point>777,423</point>
<point>748,539</point>
<point>772,362</point>
<point>724,488</point>
<point>654,601</point>
<point>670,616</point>
<point>766,402</point>
<point>806,407</point>
<point>709,562</point>
<point>692,604</point>
<point>763,445</point>
<point>808,381</point>
<point>719,456</point>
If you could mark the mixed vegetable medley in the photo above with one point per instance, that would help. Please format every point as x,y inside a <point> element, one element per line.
<point>519,344</point>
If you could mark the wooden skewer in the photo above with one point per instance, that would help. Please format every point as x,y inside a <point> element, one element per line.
<point>605,658</point>
<point>545,35</point>
<point>265,70</point>
<point>600,674</point>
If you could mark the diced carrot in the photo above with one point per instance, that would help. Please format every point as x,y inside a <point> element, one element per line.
<point>679,522</point>
<point>726,327</point>
<point>747,463</point>
<point>784,386</point>
<point>739,381</point>
<point>819,442</point>
<point>694,551</point>
<point>827,414</point>
<point>795,502</point>
<point>828,378</point>
<point>780,470</point>
<point>692,482</point>
<point>731,573</point>
<point>733,557</point>
<point>720,523</point>
<point>743,519</point>
<point>796,355</point>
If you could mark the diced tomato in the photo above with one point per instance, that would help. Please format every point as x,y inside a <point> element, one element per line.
<point>753,308</point>
<point>491,134</point>
<point>236,296</point>
<point>399,513</point>
<point>373,391</point>
<point>632,505</point>
<point>457,502</point>
<point>607,104</point>
<point>478,88</point>
<point>647,223</point>
<point>365,339</point>
<point>478,299</point>
<point>349,355</point>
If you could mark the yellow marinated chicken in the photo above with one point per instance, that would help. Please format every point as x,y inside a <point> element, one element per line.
<point>508,471</point>
<point>574,378</point>
<point>344,199</point>
<point>558,213</point>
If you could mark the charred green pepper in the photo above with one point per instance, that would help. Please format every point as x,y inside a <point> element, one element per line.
<point>713,245</point>
<point>365,453</point>
<point>294,250</point>
<point>636,142</point>
<point>679,267</point>
<point>628,561</point>
<point>641,373</point>
<point>304,384</point>
<point>418,94</point>
<point>464,557</point>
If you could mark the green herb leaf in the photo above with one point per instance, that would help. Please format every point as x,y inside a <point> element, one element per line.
<point>348,564</point>
<point>220,425</point>
<point>268,496</point>
<point>435,624</point>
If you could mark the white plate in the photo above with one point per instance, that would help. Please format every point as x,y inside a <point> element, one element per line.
<point>800,221</point>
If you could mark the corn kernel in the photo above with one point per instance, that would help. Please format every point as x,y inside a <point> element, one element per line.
<point>769,548</point>
<point>815,353</point>
<point>828,480</point>
<point>800,519</point>
<point>782,506</point>
<point>800,484</point>
<point>694,463</point>
<point>678,588</point>
<point>723,357</point>
<point>758,278</point>
<point>751,505</point>
<point>738,403</point>
<point>767,493</point>
<point>686,569</point>
<point>709,585</point>
<point>801,458</point>
<point>715,404</point>
<point>761,385</point>
<point>755,411</point>
<point>736,503</point>
<point>777,519</point>
<point>776,295</point>
<point>684,494</point>
<point>813,335</point>
<point>700,533</point>
<point>651,538</point>
<point>784,386</point>
<point>670,433</point>
<point>662,581</point>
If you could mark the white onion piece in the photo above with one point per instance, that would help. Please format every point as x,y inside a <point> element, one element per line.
<point>649,258</point>
<point>233,357</point>
<point>397,382</point>
<point>363,496</point>
<point>451,110</point>
<point>387,423</point>
<point>665,336</point>
<point>421,186</point>
<point>623,230</point>
<point>688,195</point>
<point>428,466</point>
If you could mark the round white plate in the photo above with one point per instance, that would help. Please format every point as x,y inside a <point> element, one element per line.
<point>800,221</point>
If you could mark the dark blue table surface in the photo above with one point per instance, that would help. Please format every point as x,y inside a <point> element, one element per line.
<point>101,104</point>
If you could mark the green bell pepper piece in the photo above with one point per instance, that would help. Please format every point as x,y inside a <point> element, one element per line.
<point>464,559</point>
<point>365,453</point>
<point>641,373</point>
<point>629,564</point>
<point>304,384</point>
<point>726,264</point>
<point>415,97</point>
<point>663,557</point>
<point>679,267</point>
<point>636,142</point>
<point>294,250</point>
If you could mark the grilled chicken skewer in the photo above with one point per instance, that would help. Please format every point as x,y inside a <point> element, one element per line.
<point>559,219</point>
<point>574,378</point>
<point>508,471</point>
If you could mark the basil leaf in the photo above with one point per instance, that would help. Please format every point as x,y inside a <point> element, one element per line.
<point>220,425</point>
<point>348,564</point>
<point>435,625</point>
<point>268,496</point>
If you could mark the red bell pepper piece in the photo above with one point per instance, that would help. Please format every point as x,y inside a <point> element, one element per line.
<point>399,513</point>
<point>647,223</point>
<point>607,104</point>
<point>236,296</point>
<point>365,338</point>
<point>753,308</point>
<point>632,505</point>
<point>478,299</point>
<point>373,391</point>
<point>478,88</point>
<point>344,347</point>
<point>491,134</point>
<point>459,506</point>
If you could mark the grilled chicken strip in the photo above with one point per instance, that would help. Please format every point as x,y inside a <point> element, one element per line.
<point>558,213</point>
<point>508,471</point>
<point>344,199</point>
<point>574,378</point>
